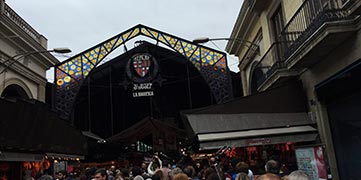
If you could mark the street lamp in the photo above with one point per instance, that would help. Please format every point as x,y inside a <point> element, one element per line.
<point>62,50</point>
<point>206,39</point>
<point>16,57</point>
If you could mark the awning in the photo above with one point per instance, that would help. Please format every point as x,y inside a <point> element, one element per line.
<point>257,137</point>
<point>272,117</point>
<point>213,123</point>
<point>31,126</point>
<point>14,156</point>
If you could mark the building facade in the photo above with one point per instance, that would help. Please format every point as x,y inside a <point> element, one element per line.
<point>318,43</point>
<point>32,136</point>
<point>22,67</point>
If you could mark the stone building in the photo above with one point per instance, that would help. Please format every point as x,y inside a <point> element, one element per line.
<point>23,68</point>
<point>316,42</point>
<point>32,136</point>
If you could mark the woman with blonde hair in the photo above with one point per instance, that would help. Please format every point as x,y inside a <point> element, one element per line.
<point>242,176</point>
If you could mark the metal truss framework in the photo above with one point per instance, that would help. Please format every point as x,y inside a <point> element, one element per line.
<point>70,74</point>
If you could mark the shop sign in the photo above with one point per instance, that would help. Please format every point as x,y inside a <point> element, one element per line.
<point>311,161</point>
<point>141,90</point>
<point>142,68</point>
<point>258,141</point>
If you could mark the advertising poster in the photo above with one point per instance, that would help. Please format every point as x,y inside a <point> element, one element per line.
<point>311,161</point>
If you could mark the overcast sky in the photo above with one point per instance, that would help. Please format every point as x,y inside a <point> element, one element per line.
<point>81,24</point>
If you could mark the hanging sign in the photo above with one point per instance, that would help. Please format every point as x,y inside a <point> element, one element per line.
<point>142,69</point>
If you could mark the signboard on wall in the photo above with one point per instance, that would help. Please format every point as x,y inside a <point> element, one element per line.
<point>311,161</point>
<point>142,69</point>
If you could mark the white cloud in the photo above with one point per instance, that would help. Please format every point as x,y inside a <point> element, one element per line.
<point>81,24</point>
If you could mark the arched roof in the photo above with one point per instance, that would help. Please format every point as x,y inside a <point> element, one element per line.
<point>212,64</point>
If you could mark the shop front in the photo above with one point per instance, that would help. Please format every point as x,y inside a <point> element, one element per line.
<point>21,165</point>
<point>33,139</point>
<point>269,125</point>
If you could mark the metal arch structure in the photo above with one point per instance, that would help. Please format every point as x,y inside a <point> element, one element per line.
<point>70,74</point>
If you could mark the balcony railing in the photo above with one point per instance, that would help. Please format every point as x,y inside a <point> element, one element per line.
<point>311,15</point>
<point>270,62</point>
<point>13,16</point>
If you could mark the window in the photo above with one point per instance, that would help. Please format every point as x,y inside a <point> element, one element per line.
<point>277,23</point>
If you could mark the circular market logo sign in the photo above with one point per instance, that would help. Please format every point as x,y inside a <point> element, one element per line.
<point>142,68</point>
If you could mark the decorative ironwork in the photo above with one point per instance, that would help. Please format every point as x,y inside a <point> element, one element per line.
<point>70,74</point>
<point>269,63</point>
<point>308,18</point>
<point>311,15</point>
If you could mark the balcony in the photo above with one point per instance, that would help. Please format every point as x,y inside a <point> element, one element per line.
<point>315,29</point>
<point>273,67</point>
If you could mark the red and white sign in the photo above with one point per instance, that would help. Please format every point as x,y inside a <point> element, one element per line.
<point>141,64</point>
<point>258,141</point>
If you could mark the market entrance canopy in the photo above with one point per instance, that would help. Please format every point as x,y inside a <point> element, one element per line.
<point>271,117</point>
<point>70,74</point>
<point>30,126</point>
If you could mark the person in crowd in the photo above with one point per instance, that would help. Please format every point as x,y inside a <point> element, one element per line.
<point>207,172</point>
<point>158,175</point>
<point>174,172</point>
<point>27,175</point>
<point>243,167</point>
<point>61,175</point>
<point>190,172</point>
<point>273,167</point>
<point>284,171</point>
<point>298,175</point>
<point>198,167</point>
<point>124,174</point>
<point>216,176</point>
<point>117,176</point>
<point>212,161</point>
<point>152,167</point>
<point>180,176</point>
<point>112,168</point>
<point>204,165</point>
<point>46,175</point>
<point>110,174</point>
<point>144,167</point>
<point>137,173</point>
<point>232,170</point>
<point>100,174</point>
<point>224,167</point>
<point>88,173</point>
<point>242,176</point>
<point>165,169</point>
<point>269,176</point>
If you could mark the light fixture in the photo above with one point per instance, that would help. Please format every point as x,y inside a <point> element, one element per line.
<point>207,39</point>
<point>7,63</point>
<point>62,50</point>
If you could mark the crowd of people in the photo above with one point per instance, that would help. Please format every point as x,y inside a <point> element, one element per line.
<point>211,169</point>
